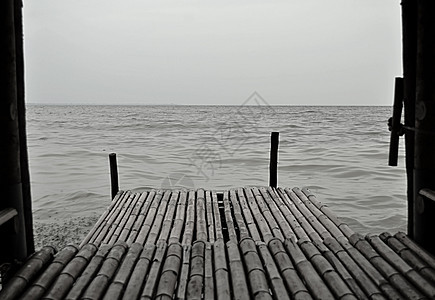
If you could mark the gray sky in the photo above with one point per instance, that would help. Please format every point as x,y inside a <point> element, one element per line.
<point>305,52</point>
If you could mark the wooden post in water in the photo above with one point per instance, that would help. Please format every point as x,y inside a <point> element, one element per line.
<point>395,123</point>
<point>10,166</point>
<point>424,162</point>
<point>409,40</point>
<point>273,167</point>
<point>113,174</point>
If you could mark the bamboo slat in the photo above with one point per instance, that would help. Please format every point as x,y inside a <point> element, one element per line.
<point>254,269</point>
<point>334,281</point>
<point>305,269</point>
<point>267,215</point>
<point>238,277</point>
<point>276,282</point>
<point>101,220</point>
<point>119,218</point>
<point>17,284</point>
<point>43,282</point>
<point>154,274</point>
<point>429,259</point>
<point>238,216</point>
<point>190,219</point>
<point>409,256</point>
<point>396,262</point>
<point>90,271</point>
<point>100,282</point>
<point>120,223</point>
<point>260,221</point>
<point>184,273</point>
<point>145,228</point>
<point>178,226</point>
<point>201,223</point>
<point>208,272</point>
<point>221,271</point>
<point>249,220</point>
<point>394,277</point>
<point>196,277</point>
<point>169,217</point>
<point>120,281</point>
<point>294,284</point>
<point>140,271</point>
<point>229,219</point>
<point>286,229</point>
<point>141,219</point>
<point>71,272</point>
<point>154,229</point>
<point>169,275</point>
<point>132,217</point>
<point>210,217</point>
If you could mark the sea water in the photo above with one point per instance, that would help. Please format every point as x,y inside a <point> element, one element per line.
<point>340,153</point>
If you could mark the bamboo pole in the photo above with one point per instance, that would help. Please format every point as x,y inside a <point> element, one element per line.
<point>169,216</point>
<point>169,275</point>
<point>114,181</point>
<point>428,258</point>
<point>228,218</point>
<point>217,217</point>
<point>253,231</point>
<point>273,167</point>
<point>31,268</point>
<point>160,216</point>
<point>133,215</point>
<point>184,273</point>
<point>140,272</point>
<point>238,216</point>
<point>44,281</point>
<point>177,228</point>
<point>196,278</point>
<point>293,281</point>
<point>201,224</point>
<point>190,219</point>
<point>209,285</point>
<point>88,274</point>
<point>221,271</point>
<point>122,277</point>
<point>150,217</point>
<point>71,272</point>
<point>263,226</point>
<point>210,217</point>
<point>267,215</point>
<point>137,226</point>
<point>238,279</point>
<point>101,281</point>
<point>152,281</point>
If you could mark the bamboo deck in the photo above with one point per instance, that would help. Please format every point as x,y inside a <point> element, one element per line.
<point>248,243</point>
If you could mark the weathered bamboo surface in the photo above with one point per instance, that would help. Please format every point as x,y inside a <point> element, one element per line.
<point>246,243</point>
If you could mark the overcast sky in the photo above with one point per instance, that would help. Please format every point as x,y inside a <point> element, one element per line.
<point>304,52</point>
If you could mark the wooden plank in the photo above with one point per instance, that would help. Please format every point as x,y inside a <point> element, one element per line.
<point>201,223</point>
<point>267,215</point>
<point>7,214</point>
<point>120,281</point>
<point>294,284</point>
<point>177,228</point>
<point>71,272</point>
<point>237,271</point>
<point>143,212</point>
<point>196,277</point>
<point>190,219</point>
<point>31,268</point>
<point>88,274</point>
<point>44,281</point>
<point>140,272</point>
<point>169,275</point>
<point>254,268</point>
<point>100,282</point>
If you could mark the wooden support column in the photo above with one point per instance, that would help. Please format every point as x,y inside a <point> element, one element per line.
<point>273,167</point>
<point>409,40</point>
<point>424,163</point>
<point>10,167</point>
<point>114,181</point>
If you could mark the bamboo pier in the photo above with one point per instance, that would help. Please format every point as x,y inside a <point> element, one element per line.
<point>246,243</point>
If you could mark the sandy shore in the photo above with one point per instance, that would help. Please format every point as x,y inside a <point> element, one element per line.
<point>61,232</point>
